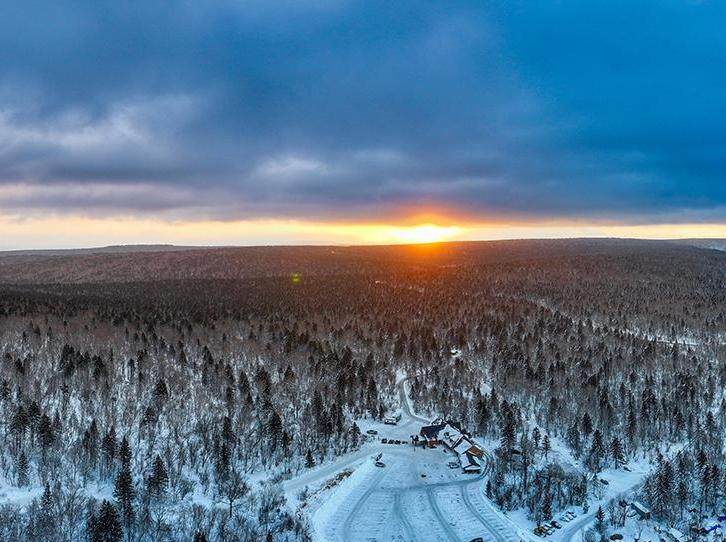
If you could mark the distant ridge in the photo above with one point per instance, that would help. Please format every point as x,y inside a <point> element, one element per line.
<point>141,263</point>
<point>110,249</point>
<point>713,244</point>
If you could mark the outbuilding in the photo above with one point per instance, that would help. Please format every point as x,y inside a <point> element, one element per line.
<point>469,464</point>
<point>640,510</point>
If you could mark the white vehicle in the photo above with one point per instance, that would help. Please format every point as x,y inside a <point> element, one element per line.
<point>392,420</point>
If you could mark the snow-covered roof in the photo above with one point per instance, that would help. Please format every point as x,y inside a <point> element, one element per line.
<point>452,434</point>
<point>463,446</point>
<point>468,461</point>
<point>640,507</point>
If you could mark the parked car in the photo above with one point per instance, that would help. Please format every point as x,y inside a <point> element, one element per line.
<point>616,536</point>
<point>392,420</point>
<point>384,440</point>
<point>477,539</point>
<point>372,432</point>
<point>380,464</point>
<point>555,525</point>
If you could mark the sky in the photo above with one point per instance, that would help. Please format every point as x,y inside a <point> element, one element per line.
<point>310,121</point>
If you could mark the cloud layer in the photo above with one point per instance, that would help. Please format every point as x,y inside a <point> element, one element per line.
<point>364,111</point>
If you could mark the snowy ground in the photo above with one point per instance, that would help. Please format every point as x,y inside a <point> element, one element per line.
<point>417,497</point>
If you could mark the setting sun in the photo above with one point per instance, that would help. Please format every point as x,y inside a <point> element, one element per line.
<point>424,233</point>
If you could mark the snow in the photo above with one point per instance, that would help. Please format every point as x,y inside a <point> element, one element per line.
<point>621,483</point>
<point>416,496</point>
<point>20,496</point>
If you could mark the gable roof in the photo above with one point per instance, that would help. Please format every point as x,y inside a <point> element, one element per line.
<point>464,446</point>
<point>432,431</point>
<point>471,461</point>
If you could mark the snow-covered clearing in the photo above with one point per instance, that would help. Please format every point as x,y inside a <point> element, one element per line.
<point>416,496</point>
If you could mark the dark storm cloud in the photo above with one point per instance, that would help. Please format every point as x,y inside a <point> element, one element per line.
<point>346,109</point>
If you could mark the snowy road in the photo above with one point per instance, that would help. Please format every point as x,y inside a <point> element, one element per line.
<point>415,497</point>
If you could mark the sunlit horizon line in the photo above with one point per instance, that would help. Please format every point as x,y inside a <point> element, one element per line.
<point>57,233</point>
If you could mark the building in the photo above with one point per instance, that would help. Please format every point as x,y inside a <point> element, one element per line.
<point>640,510</point>
<point>430,434</point>
<point>456,439</point>
<point>470,464</point>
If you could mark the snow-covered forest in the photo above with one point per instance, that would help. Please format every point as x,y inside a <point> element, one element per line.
<point>167,403</point>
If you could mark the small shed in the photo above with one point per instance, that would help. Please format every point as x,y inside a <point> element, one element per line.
<point>469,464</point>
<point>643,512</point>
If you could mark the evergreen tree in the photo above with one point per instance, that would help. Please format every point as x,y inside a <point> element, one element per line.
<point>508,430</point>
<point>546,446</point>
<point>309,460</point>
<point>106,526</point>
<point>227,432</point>
<point>631,427</point>
<point>124,491</point>
<point>597,452</point>
<point>46,437</point>
<point>536,436</point>
<point>46,524</point>
<point>108,447</point>
<point>586,425</point>
<point>662,490</point>
<point>547,506</point>
<point>159,479</point>
<point>573,439</point>
<point>161,392</point>
<point>482,415</point>
<point>616,452</point>
<point>124,453</point>
<point>23,469</point>
<point>274,430</point>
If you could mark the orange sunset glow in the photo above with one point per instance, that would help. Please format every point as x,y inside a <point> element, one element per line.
<point>81,231</point>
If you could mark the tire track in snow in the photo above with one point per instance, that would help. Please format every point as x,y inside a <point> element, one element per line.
<point>440,517</point>
<point>480,518</point>
<point>401,516</point>
<point>358,505</point>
